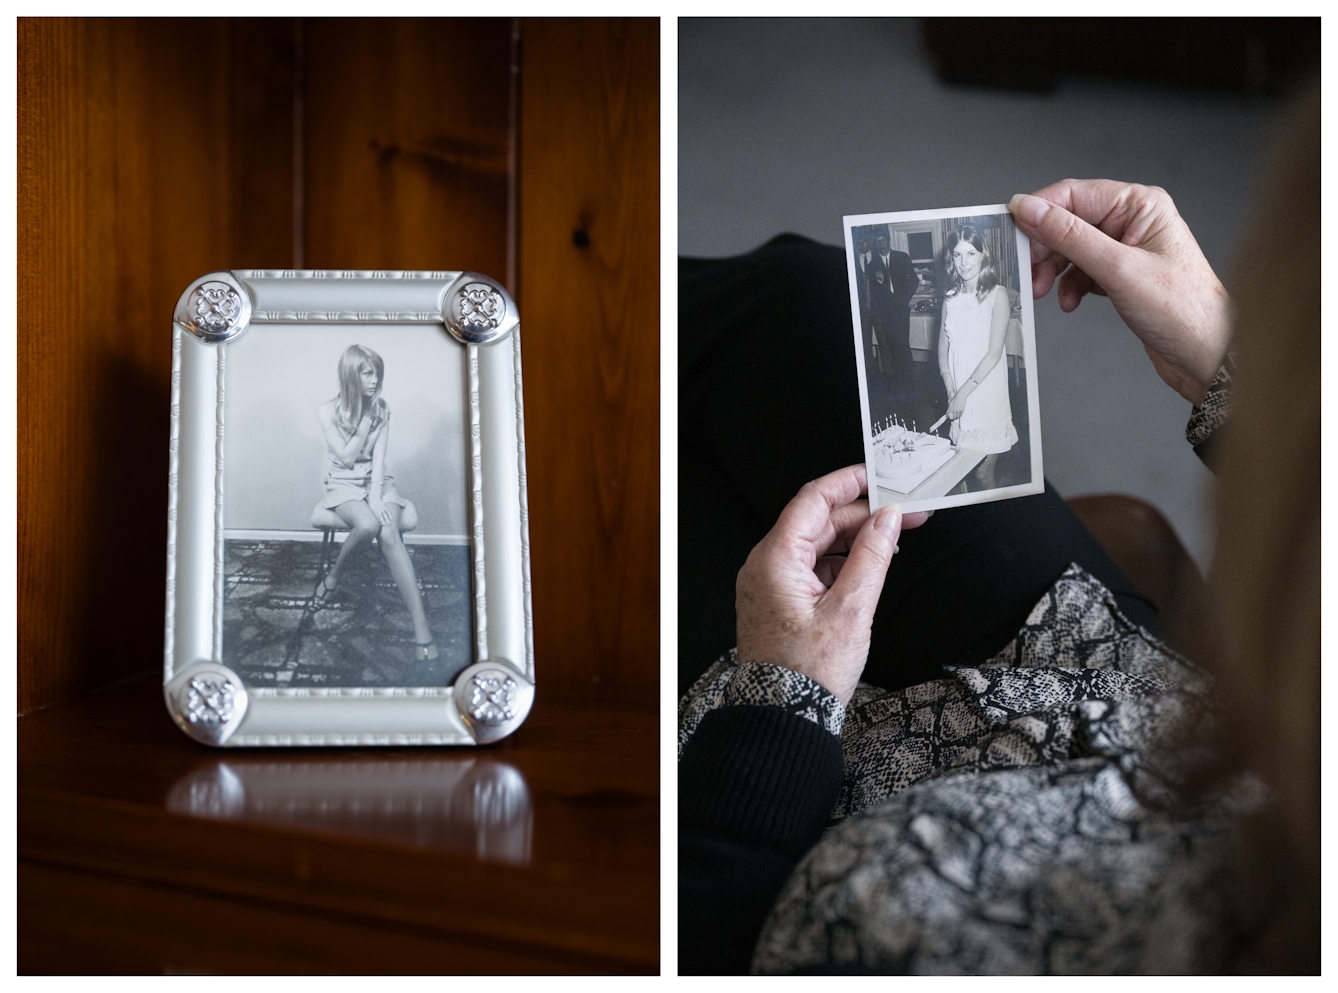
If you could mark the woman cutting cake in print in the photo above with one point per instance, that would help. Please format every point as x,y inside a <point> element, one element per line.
<point>356,427</point>
<point>970,351</point>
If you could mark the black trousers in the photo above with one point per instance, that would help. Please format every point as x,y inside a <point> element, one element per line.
<point>894,343</point>
<point>768,400</point>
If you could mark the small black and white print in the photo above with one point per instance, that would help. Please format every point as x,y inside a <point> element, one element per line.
<point>277,632</point>
<point>904,284</point>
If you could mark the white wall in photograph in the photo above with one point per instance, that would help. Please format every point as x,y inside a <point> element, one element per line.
<point>277,377</point>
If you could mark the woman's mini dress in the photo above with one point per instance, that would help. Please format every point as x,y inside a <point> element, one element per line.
<point>343,484</point>
<point>986,425</point>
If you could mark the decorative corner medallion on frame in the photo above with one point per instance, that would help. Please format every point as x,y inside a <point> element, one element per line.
<point>215,308</point>
<point>477,310</point>
<point>207,701</point>
<point>493,699</point>
<point>214,673</point>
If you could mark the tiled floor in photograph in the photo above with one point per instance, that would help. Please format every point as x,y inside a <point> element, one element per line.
<point>275,634</point>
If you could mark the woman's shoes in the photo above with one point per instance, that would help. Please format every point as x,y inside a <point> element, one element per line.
<point>425,652</point>
<point>323,592</point>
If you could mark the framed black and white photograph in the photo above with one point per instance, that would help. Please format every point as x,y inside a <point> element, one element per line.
<point>945,346</point>
<point>346,508</point>
<point>348,557</point>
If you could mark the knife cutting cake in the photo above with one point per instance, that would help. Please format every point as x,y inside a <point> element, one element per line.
<point>904,459</point>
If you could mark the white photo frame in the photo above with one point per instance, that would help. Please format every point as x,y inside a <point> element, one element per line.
<point>900,304</point>
<point>244,346</point>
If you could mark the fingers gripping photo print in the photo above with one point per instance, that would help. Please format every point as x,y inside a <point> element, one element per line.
<point>946,352</point>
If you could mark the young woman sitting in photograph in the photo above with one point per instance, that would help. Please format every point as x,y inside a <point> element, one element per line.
<point>356,427</point>
<point>970,351</point>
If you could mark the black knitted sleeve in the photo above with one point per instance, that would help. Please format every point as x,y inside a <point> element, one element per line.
<point>755,787</point>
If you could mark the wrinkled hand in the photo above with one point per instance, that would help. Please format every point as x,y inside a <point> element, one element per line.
<point>801,605</point>
<point>1129,243</point>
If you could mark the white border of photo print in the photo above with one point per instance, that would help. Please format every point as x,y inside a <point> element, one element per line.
<point>918,455</point>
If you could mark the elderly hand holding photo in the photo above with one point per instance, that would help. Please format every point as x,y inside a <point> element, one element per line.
<point>807,593</point>
<point>971,743</point>
<point>1127,242</point>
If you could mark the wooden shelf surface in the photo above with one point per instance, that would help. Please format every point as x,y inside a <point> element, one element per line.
<point>141,851</point>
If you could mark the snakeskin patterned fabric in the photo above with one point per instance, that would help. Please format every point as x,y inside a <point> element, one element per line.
<point>1022,708</point>
<point>1006,818</point>
<point>1054,869</point>
<point>727,683</point>
<point>1214,409</point>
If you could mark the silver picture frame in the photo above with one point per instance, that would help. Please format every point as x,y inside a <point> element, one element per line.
<point>491,696</point>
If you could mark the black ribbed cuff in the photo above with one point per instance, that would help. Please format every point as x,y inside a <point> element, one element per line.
<point>760,775</point>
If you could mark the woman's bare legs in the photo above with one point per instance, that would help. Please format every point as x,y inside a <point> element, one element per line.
<point>401,569</point>
<point>985,471</point>
<point>362,528</point>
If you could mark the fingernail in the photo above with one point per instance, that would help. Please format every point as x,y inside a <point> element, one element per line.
<point>1028,209</point>
<point>888,521</point>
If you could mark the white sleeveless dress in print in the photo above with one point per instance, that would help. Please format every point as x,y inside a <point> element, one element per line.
<point>986,425</point>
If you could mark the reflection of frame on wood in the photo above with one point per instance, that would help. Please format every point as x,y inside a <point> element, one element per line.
<point>348,554</point>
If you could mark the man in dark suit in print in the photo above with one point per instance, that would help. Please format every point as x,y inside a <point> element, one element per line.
<point>891,287</point>
<point>863,267</point>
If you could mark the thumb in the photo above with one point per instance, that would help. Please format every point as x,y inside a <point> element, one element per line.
<point>860,581</point>
<point>1091,250</point>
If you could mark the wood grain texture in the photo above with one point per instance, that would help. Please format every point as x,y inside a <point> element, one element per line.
<point>125,825</point>
<point>83,923</point>
<point>406,138</point>
<point>589,299</point>
<point>147,158</point>
<point>141,145</point>
<point>151,152</point>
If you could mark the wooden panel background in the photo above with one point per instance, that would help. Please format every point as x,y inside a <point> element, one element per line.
<point>146,158</point>
<point>589,296</point>
<point>406,144</point>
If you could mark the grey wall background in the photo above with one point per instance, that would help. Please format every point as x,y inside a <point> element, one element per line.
<point>273,448</point>
<point>786,125</point>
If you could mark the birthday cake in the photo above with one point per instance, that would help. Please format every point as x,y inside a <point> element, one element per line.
<point>903,459</point>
